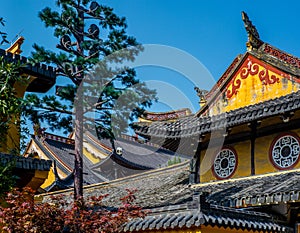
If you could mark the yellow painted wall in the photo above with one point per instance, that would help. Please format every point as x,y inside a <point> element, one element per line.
<point>263,164</point>
<point>90,156</point>
<point>262,145</point>
<point>243,169</point>
<point>13,137</point>
<point>50,179</point>
<point>254,82</point>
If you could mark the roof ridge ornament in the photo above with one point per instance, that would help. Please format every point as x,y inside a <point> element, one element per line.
<point>254,41</point>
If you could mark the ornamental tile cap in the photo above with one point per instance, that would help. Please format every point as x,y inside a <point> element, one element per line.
<point>254,41</point>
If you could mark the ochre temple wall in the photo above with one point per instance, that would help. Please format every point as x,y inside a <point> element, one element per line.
<point>262,146</point>
<point>262,160</point>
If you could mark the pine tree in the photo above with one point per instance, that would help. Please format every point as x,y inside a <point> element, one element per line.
<point>84,55</point>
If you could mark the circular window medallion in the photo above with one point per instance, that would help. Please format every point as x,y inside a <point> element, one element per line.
<point>284,151</point>
<point>225,163</point>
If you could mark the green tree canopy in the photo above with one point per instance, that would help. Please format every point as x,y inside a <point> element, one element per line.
<point>92,39</point>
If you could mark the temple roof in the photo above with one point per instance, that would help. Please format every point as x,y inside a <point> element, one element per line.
<point>272,188</point>
<point>211,215</point>
<point>25,163</point>
<point>171,200</point>
<point>46,75</point>
<point>286,64</point>
<point>165,116</point>
<point>169,186</point>
<point>199,125</point>
<point>136,158</point>
<point>267,53</point>
<point>30,172</point>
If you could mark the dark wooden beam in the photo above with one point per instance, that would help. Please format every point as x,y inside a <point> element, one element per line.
<point>253,126</point>
<point>260,132</point>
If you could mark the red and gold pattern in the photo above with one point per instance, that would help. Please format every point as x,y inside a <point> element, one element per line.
<point>164,116</point>
<point>251,69</point>
<point>282,56</point>
<point>253,82</point>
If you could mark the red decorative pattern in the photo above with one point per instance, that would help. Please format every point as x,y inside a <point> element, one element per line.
<point>252,69</point>
<point>166,116</point>
<point>59,138</point>
<point>282,56</point>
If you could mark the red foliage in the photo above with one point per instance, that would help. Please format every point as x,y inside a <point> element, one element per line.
<point>22,214</point>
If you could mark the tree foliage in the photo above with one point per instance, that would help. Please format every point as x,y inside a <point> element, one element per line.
<point>86,50</point>
<point>7,179</point>
<point>92,40</point>
<point>22,214</point>
<point>10,104</point>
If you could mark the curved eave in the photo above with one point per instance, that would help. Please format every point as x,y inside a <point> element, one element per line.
<point>45,75</point>
<point>215,216</point>
<point>128,164</point>
<point>195,126</point>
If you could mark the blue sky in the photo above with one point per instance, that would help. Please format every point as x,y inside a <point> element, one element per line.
<point>211,31</point>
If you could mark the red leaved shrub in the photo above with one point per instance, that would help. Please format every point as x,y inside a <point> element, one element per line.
<point>20,213</point>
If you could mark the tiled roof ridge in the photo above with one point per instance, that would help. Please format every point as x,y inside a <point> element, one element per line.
<point>46,149</point>
<point>131,139</point>
<point>98,142</point>
<point>39,68</point>
<point>171,111</point>
<point>280,55</point>
<point>59,138</point>
<point>25,162</point>
<point>205,124</point>
<point>125,162</point>
<point>277,173</point>
<point>253,191</point>
<point>149,173</point>
<point>166,116</point>
<point>185,207</point>
<point>194,218</point>
<point>151,145</point>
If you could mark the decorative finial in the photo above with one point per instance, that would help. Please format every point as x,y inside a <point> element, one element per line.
<point>201,93</point>
<point>254,42</point>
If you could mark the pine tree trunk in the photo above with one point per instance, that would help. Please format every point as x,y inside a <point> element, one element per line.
<point>78,169</point>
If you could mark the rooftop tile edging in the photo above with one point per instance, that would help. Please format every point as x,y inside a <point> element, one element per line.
<point>26,163</point>
<point>107,184</point>
<point>227,119</point>
<point>39,68</point>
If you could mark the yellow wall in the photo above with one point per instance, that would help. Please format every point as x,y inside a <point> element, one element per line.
<point>243,168</point>
<point>262,145</point>
<point>254,82</point>
<point>263,164</point>
<point>13,137</point>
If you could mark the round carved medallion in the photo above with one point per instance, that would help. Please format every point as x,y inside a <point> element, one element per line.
<point>284,151</point>
<point>225,163</point>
